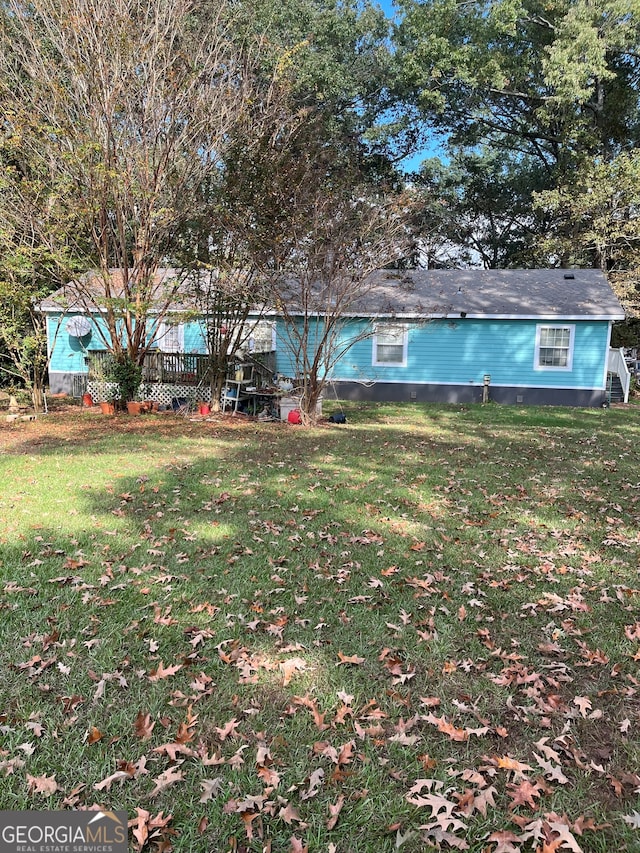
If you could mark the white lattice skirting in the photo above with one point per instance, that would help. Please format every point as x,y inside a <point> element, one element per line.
<point>161,393</point>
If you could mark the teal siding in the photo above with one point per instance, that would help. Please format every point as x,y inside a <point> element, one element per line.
<point>194,338</point>
<point>67,352</point>
<point>445,352</point>
<point>286,346</point>
<point>462,351</point>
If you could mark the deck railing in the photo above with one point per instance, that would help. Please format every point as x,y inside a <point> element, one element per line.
<point>174,367</point>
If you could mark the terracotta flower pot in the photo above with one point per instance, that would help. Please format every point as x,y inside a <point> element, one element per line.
<point>107,408</point>
<point>134,407</point>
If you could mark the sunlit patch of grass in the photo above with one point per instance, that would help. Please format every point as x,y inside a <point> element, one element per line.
<point>475,566</point>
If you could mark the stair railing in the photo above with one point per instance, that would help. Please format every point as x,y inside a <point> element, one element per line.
<point>617,364</point>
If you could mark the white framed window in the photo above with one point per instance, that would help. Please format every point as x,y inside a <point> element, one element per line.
<point>170,337</point>
<point>390,346</point>
<point>262,337</point>
<point>554,347</point>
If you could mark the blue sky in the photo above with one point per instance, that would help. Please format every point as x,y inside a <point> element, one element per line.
<point>387,7</point>
<point>411,163</point>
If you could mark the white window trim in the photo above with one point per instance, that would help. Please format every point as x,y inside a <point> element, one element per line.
<point>555,368</point>
<point>405,340</point>
<point>163,330</point>
<point>268,326</point>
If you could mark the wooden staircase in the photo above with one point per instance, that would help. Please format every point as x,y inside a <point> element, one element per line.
<point>615,392</point>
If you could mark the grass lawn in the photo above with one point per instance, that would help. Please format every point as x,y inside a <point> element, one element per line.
<point>417,631</point>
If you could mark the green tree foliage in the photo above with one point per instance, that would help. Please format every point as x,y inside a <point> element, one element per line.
<point>309,142</point>
<point>334,53</point>
<point>35,258</point>
<point>128,375</point>
<point>546,79</point>
<point>476,211</point>
<point>602,205</point>
<point>27,273</point>
<point>603,202</point>
<point>155,129</point>
<point>318,226</point>
<point>549,86</point>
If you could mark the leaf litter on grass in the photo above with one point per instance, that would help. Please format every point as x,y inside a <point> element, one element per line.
<point>275,635</point>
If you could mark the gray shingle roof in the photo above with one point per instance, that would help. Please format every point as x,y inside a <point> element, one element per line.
<point>552,293</point>
<point>493,293</point>
<point>75,296</point>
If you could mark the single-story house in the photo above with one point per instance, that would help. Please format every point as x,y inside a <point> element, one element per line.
<point>511,336</point>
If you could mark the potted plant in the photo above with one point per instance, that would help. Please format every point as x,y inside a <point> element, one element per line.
<point>128,375</point>
<point>135,407</point>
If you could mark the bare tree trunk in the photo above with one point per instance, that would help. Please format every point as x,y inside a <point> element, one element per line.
<point>217,386</point>
<point>309,402</point>
<point>37,396</point>
<point>130,106</point>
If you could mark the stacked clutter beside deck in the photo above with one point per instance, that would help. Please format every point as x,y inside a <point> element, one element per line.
<point>291,404</point>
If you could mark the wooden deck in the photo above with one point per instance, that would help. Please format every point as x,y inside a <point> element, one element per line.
<point>173,368</point>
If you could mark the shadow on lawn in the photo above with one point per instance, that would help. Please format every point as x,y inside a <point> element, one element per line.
<point>458,455</point>
<point>457,475</point>
<point>309,502</point>
<point>86,429</point>
<point>476,447</point>
<point>242,516</point>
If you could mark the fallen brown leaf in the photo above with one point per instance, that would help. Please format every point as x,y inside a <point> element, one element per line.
<point>163,672</point>
<point>164,780</point>
<point>334,811</point>
<point>349,659</point>
<point>143,727</point>
<point>94,735</point>
<point>45,785</point>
